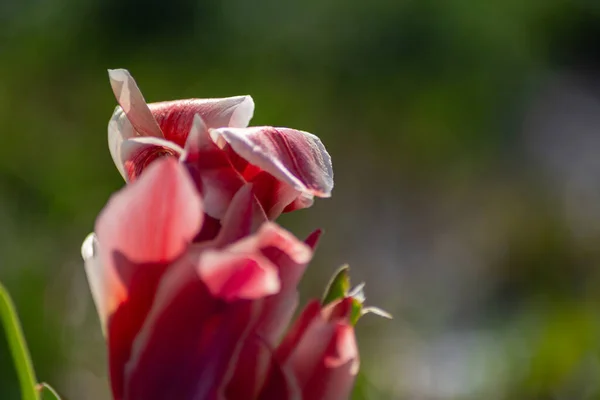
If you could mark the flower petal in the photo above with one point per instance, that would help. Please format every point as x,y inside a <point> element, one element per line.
<point>274,195</point>
<point>333,378</point>
<point>321,350</point>
<point>310,313</point>
<point>210,168</point>
<point>154,219</point>
<point>100,281</point>
<point>291,257</point>
<point>232,276</point>
<point>119,130</point>
<point>133,104</point>
<point>137,153</point>
<point>140,281</point>
<point>131,118</point>
<point>144,227</point>
<point>243,217</point>
<point>257,374</point>
<point>280,384</point>
<point>249,372</point>
<point>313,239</point>
<point>295,157</point>
<point>175,118</point>
<point>189,340</point>
<point>276,243</point>
<point>305,200</point>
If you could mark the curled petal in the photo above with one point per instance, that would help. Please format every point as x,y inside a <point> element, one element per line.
<point>137,153</point>
<point>230,276</point>
<point>291,257</point>
<point>131,118</point>
<point>153,220</point>
<point>133,104</point>
<point>175,118</point>
<point>270,235</point>
<point>295,157</point>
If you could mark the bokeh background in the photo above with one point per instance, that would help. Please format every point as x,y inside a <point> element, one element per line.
<point>465,136</point>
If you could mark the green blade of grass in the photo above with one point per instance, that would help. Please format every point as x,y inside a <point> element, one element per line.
<point>18,347</point>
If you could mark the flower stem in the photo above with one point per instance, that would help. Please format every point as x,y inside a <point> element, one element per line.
<point>17,346</point>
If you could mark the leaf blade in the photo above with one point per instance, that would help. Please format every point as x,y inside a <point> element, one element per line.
<point>18,347</point>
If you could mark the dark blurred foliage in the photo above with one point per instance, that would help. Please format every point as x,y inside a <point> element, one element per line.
<point>465,136</point>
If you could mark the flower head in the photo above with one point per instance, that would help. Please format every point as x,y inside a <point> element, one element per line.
<point>287,167</point>
<point>187,320</point>
<point>194,285</point>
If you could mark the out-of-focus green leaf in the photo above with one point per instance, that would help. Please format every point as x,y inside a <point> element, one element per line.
<point>338,287</point>
<point>18,347</point>
<point>357,311</point>
<point>47,392</point>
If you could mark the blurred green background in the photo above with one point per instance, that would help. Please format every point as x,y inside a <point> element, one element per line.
<point>465,136</point>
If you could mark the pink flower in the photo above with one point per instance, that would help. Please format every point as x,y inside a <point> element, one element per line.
<point>187,320</point>
<point>287,167</point>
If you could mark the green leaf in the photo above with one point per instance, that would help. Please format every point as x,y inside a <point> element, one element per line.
<point>338,287</point>
<point>357,311</point>
<point>47,392</point>
<point>18,347</point>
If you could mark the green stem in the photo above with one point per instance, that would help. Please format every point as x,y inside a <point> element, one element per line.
<point>18,347</point>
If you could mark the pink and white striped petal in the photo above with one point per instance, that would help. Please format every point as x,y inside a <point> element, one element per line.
<point>171,120</point>
<point>295,157</point>
<point>176,117</point>
<point>132,103</point>
<point>151,221</point>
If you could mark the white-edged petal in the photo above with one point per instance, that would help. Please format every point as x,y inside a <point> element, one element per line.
<point>132,102</point>
<point>98,277</point>
<point>119,129</point>
<point>295,157</point>
<point>243,113</point>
